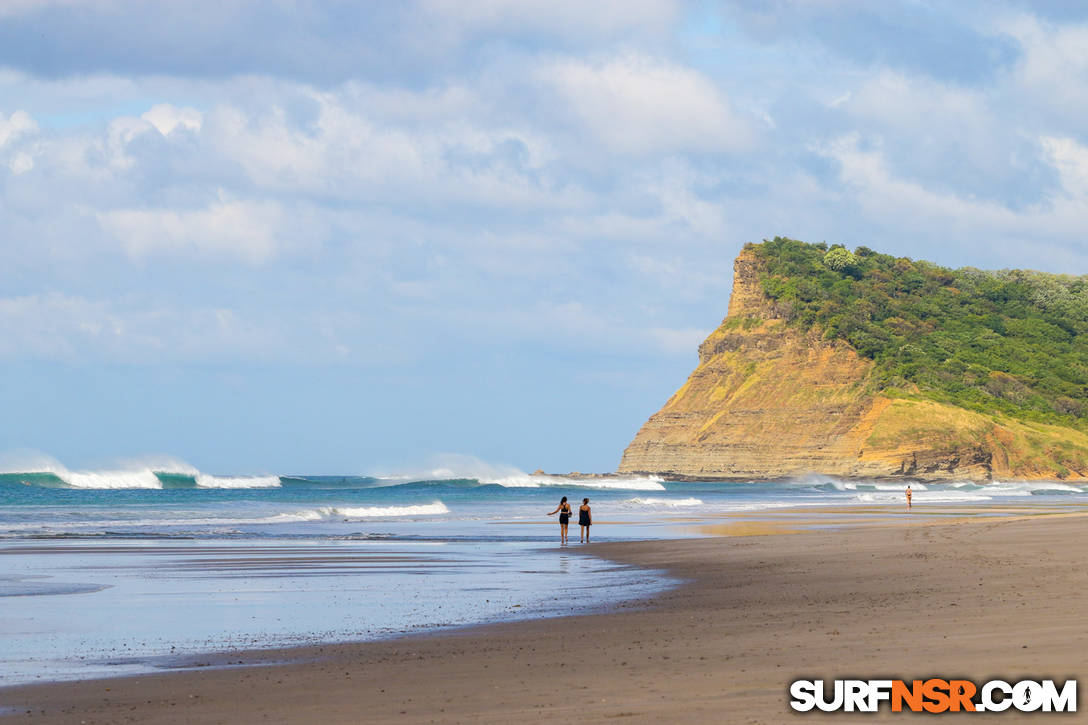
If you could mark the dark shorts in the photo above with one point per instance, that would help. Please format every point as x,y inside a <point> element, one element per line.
<point>564,518</point>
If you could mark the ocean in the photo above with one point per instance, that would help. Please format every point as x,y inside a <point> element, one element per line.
<point>118,572</point>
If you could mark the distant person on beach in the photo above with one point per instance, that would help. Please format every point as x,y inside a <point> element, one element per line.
<point>585,518</point>
<point>564,518</point>
<point>909,494</point>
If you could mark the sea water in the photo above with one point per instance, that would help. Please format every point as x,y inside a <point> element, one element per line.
<point>116,572</point>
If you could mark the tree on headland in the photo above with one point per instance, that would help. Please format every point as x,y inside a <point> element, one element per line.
<point>840,259</point>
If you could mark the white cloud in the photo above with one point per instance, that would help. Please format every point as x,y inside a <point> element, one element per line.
<point>66,327</point>
<point>240,229</point>
<point>899,100</point>
<point>14,130</point>
<point>166,117</point>
<point>1071,160</point>
<point>880,192</point>
<point>638,104</point>
<point>675,187</point>
<point>1053,65</point>
<point>120,133</point>
<point>17,124</point>
<point>366,152</point>
<point>21,163</point>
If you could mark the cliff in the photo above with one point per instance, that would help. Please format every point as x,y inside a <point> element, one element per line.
<point>775,396</point>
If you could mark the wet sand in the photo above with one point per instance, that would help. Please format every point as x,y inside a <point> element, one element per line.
<point>973,597</point>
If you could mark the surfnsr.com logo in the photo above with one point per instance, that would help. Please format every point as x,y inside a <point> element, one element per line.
<point>933,695</point>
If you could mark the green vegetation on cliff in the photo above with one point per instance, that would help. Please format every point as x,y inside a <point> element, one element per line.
<point>1012,342</point>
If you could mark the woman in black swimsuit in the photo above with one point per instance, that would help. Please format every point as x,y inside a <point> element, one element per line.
<point>564,519</point>
<point>585,519</point>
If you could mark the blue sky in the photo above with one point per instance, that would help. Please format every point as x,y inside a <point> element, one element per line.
<point>272,236</point>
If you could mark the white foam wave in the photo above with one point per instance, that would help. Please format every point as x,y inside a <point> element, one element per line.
<point>204,480</point>
<point>669,502</point>
<point>900,487</point>
<point>129,476</point>
<point>840,485</point>
<point>286,518</point>
<point>372,512</point>
<point>963,490</point>
<point>131,473</point>
<point>145,478</point>
<point>1031,488</point>
<point>325,513</point>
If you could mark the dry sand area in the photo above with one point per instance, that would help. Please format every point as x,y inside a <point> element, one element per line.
<point>946,595</point>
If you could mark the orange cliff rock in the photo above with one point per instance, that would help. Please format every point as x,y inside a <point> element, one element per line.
<point>768,401</point>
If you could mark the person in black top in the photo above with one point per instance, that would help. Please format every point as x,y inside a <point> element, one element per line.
<point>585,519</point>
<point>564,519</point>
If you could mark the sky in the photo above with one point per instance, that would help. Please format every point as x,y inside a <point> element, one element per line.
<point>276,236</point>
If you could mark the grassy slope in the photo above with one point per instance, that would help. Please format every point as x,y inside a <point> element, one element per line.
<point>1021,449</point>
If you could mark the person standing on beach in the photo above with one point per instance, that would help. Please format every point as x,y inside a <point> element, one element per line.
<point>909,494</point>
<point>564,519</point>
<point>585,519</point>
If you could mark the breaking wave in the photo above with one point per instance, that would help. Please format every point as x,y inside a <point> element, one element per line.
<point>153,474</point>
<point>833,485</point>
<point>110,479</point>
<point>669,502</point>
<point>204,480</point>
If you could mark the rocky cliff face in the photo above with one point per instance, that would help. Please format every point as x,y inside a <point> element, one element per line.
<point>767,401</point>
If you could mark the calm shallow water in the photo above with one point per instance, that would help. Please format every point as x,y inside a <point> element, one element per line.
<point>75,609</point>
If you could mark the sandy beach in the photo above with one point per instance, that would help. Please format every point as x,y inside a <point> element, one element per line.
<point>968,597</point>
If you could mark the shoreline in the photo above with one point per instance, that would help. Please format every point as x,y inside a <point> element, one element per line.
<point>750,614</point>
<point>937,477</point>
